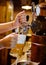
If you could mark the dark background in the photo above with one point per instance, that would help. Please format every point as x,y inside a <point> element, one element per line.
<point>17,3</point>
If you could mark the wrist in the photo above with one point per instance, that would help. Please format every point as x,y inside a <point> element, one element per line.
<point>13,24</point>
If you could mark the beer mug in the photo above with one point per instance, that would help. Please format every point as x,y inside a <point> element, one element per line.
<point>20,43</point>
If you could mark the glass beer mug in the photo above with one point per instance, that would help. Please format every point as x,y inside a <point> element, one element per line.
<point>20,43</point>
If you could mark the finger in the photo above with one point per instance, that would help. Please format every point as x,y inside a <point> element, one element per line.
<point>21,13</point>
<point>22,18</point>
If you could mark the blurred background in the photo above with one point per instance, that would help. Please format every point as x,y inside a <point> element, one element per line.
<point>8,11</point>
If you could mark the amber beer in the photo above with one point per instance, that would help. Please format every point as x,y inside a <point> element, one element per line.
<point>20,42</point>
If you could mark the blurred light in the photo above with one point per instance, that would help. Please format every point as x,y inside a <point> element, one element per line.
<point>10,7</point>
<point>45,0</point>
<point>26,7</point>
<point>37,10</point>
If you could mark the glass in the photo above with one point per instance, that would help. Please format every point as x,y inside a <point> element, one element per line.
<point>20,43</point>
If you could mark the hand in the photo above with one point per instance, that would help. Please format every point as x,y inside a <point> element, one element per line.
<point>21,19</point>
<point>10,40</point>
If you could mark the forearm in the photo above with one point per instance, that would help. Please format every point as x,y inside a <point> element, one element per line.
<point>4,43</point>
<point>4,27</point>
<point>9,40</point>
